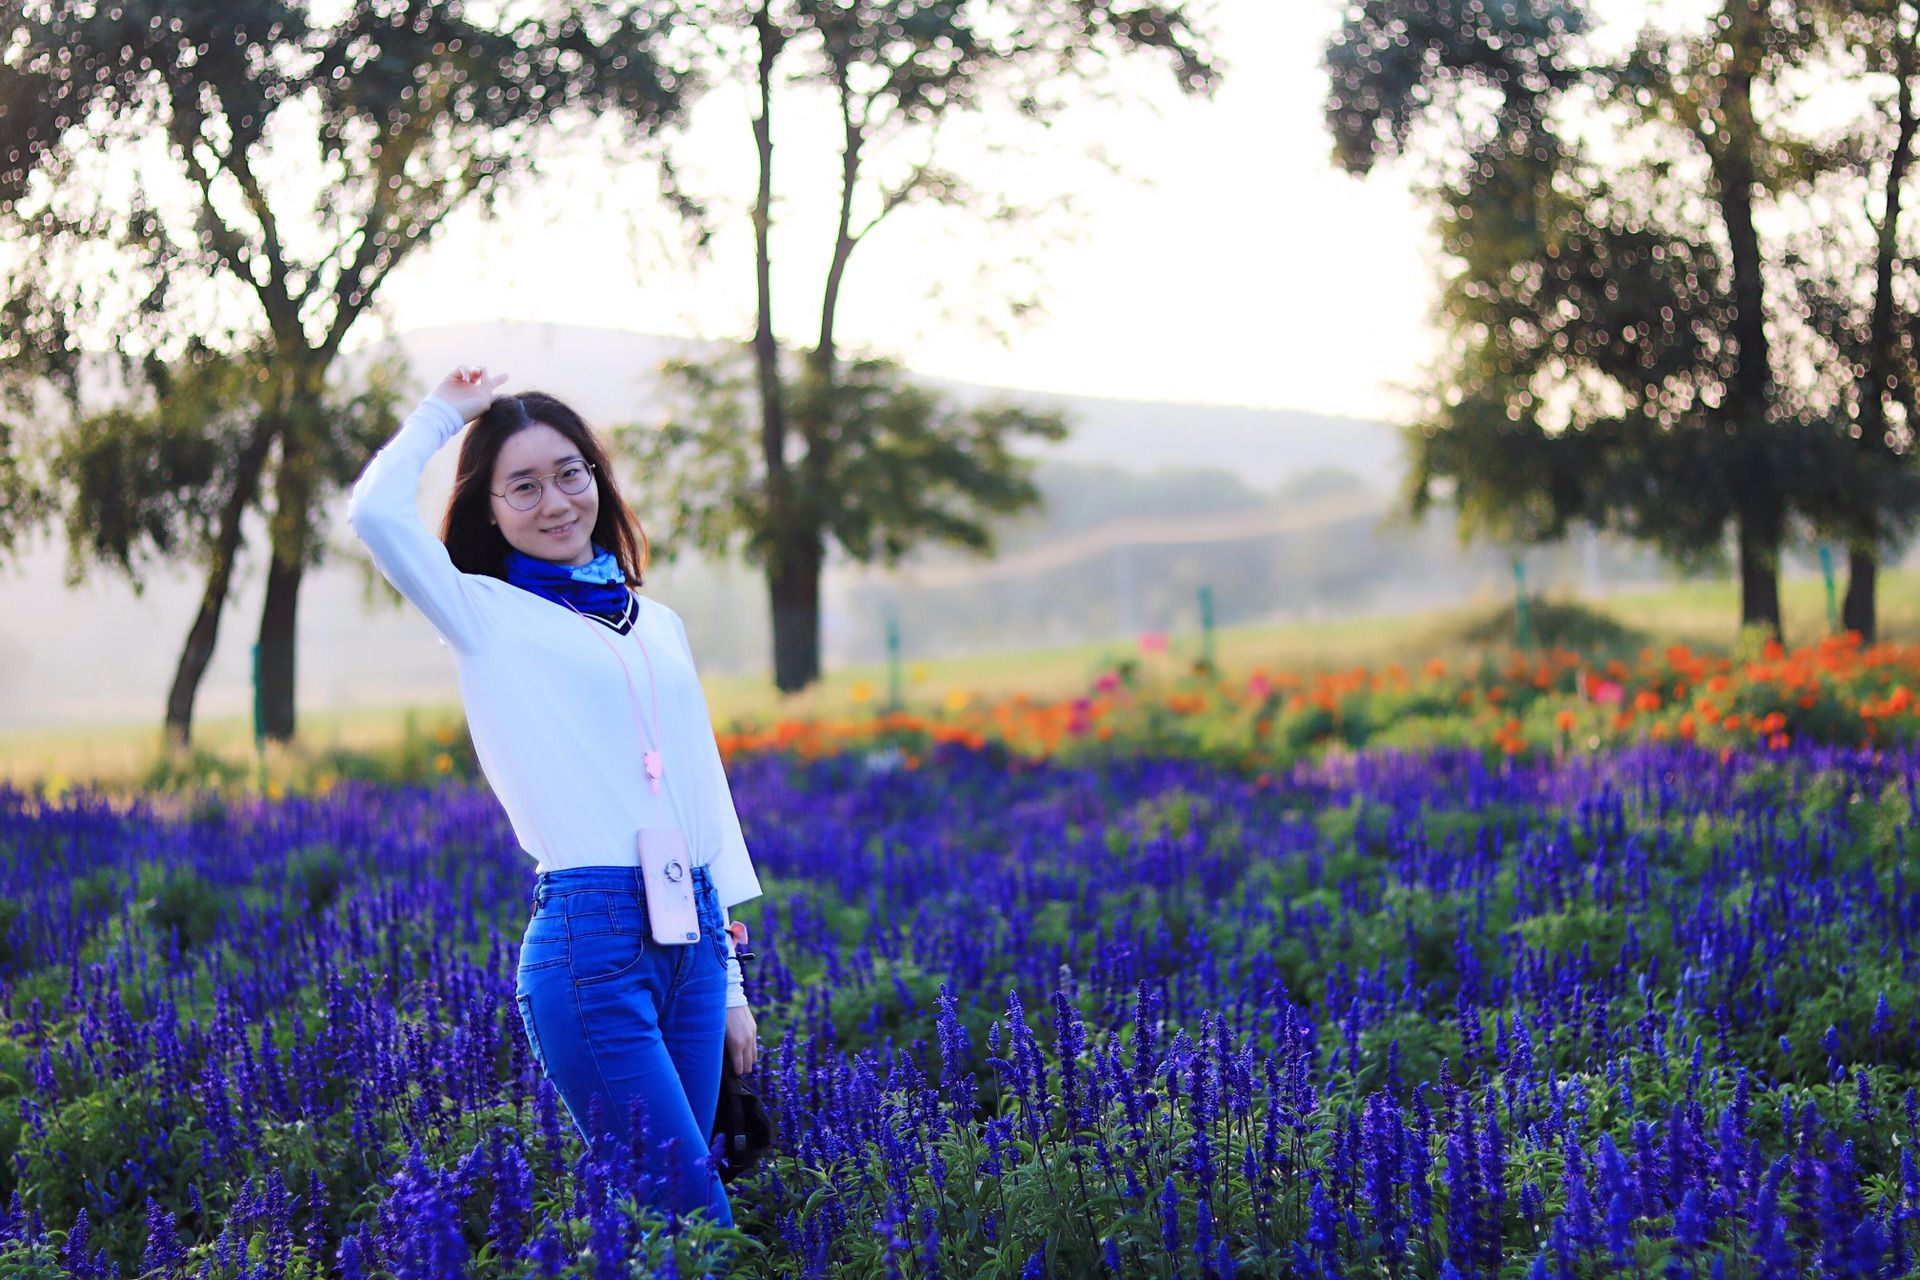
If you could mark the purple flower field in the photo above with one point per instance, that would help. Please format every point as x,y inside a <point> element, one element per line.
<point>1642,1013</point>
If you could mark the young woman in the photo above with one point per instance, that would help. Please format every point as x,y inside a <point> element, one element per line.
<point>589,721</point>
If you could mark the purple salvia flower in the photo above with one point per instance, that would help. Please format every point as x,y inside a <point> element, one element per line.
<point>1690,1225</point>
<point>76,1258</point>
<point>164,1250</point>
<point>1170,1218</point>
<point>1323,1223</point>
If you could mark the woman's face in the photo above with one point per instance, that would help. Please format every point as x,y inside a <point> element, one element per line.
<point>559,527</point>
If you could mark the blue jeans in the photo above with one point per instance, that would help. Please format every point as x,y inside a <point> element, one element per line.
<point>609,1011</point>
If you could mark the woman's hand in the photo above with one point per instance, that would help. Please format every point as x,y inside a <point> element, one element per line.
<point>743,1043</point>
<point>469,389</point>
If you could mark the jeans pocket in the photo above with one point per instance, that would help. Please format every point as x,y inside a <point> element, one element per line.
<point>533,1036</point>
<point>603,957</point>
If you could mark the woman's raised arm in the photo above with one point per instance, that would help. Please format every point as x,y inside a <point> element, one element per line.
<point>384,509</point>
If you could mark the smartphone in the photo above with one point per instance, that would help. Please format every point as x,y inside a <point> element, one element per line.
<point>666,872</point>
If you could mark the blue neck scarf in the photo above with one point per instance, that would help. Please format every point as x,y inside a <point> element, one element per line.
<point>597,586</point>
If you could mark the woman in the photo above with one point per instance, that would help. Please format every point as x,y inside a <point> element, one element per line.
<point>589,721</point>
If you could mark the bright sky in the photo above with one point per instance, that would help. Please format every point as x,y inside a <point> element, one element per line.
<point>1232,263</point>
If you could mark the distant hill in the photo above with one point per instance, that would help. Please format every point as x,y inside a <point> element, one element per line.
<point>1279,511</point>
<point>609,375</point>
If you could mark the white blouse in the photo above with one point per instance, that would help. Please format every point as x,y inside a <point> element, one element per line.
<point>546,701</point>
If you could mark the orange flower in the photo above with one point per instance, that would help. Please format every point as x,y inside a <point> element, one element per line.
<point>1646,700</point>
<point>1687,726</point>
<point>1564,721</point>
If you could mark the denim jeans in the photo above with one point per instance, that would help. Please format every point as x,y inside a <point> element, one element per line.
<point>609,1011</point>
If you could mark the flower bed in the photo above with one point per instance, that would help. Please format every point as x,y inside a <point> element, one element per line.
<point>1650,1009</point>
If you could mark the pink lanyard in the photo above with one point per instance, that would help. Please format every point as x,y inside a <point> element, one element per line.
<point>650,758</point>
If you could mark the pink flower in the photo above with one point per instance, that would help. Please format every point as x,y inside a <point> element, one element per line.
<point>1108,681</point>
<point>1259,687</point>
<point>1605,691</point>
<point>1153,642</point>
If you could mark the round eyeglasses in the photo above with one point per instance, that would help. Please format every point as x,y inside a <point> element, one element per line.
<point>524,494</point>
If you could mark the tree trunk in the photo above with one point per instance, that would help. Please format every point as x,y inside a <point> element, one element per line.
<point>292,530</point>
<point>277,634</point>
<point>1760,574</point>
<point>198,650</point>
<point>1759,491</point>
<point>1857,611</point>
<point>793,583</point>
<point>1876,383</point>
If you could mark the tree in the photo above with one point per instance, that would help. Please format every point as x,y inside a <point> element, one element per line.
<point>293,166</point>
<point>895,70</point>
<point>898,464</point>
<point>1859,293</point>
<point>1613,359</point>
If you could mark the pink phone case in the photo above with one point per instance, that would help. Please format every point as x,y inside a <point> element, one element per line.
<point>666,871</point>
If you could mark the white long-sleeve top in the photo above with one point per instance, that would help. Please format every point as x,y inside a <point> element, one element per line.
<point>546,702</point>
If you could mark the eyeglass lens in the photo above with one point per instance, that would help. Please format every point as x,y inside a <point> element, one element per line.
<point>524,495</point>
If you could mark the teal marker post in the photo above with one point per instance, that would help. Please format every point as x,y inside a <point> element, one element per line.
<point>259,728</point>
<point>1826,571</point>
<point>1523,633</point>
<point>1206,623</point>
<point>893,657</point>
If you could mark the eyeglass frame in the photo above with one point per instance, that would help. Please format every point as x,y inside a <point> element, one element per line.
<point>542,482</point>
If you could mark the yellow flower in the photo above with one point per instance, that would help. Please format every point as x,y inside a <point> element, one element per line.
<point>862,691</point>
<point>957,699</point>
<point>443,763</point>
<point>444,736</point>
<point>918,671</point>
<point>275,791</point>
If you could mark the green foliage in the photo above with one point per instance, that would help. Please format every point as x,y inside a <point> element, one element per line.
<point>892,465</point>
<point>185,904</point>
<point>315,875</point>
<point>194,767</point>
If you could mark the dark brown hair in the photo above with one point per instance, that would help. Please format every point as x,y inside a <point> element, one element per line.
<point>475,543</point>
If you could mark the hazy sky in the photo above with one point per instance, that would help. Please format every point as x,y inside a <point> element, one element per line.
<point>1233,264</point>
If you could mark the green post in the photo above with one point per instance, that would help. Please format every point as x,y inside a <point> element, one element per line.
<point>1826,571</point>
<point>893,657</point>
<point>1206,623</point>
<point>259,728</point>
<point>1523,634</point>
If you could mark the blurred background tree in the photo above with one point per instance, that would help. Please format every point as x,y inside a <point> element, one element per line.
<point>895,71</point>
<point>1614,311</point>
<point>897,465</point>
<point>285,168</point>
<point>1856,283</point>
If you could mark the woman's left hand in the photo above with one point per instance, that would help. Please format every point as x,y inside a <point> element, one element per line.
<point>743,1040</point>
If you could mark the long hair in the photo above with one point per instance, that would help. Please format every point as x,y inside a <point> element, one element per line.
<point>475,543</point>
